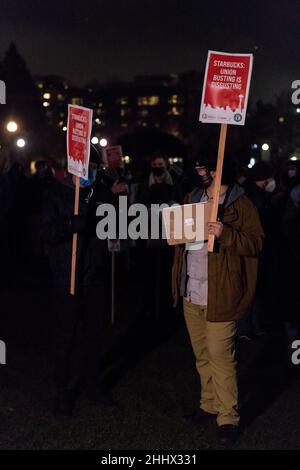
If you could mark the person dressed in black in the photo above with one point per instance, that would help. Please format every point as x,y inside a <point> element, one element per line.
<point>59,224</point>
<point>157,258</point>
<point>259,187</point>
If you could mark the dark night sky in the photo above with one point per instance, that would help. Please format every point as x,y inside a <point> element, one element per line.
<point>89,39</point>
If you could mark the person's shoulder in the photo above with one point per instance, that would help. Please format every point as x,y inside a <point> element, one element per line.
<point>245,202</point>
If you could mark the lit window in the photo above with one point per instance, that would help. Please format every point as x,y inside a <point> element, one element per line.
<point>77,101</point>
<point>61,123</point>
<point>144,112</point>
<point>175,111</point>
<point>281,119</point>
<point>122,101</point>
<point>40,85</point>
<point>124,124</point>
<point>175,99</point>
<point>148,100</point>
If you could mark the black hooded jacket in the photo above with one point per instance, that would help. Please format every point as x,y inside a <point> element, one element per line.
<point>91,266</point>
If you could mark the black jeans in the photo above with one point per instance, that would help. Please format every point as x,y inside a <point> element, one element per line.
<point>90,302</point>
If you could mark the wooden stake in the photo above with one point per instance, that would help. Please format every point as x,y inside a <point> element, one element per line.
<point>217,186</point>
<point>74,244</point>
<point>113,288</point>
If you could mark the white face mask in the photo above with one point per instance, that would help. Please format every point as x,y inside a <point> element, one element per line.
<point>271,185</point>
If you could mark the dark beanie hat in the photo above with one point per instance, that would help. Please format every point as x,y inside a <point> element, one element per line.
<point>261,171</point>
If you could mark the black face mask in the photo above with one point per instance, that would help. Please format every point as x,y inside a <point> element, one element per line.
<point>157,170</point>
<point>203,181</point>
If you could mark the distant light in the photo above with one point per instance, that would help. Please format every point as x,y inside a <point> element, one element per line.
<point>249,165</point>
<point>98,121</point>
<point>175,160</point>
<point>12,126</point>
<point>265,147</point>
<point>21,143</point>
<point>32,167</point>
<point>281,119</point>
<point>46,104</point>
<point>46,96</point>
<point>64,128</point>
<point>294,158</point>
<point>297,110</point>
<point>127,159</point>
<point>103,142</point>
<point>252,161</point>
<point>61,123</point>
<point>254,146</point>
<point>95,140</point>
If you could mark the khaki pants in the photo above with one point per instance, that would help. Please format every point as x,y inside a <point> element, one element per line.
<point>213,345</point>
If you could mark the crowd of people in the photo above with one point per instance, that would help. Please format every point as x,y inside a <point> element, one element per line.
<point>247,286</point>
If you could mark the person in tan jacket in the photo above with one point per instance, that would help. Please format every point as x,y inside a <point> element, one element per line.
<point>217,290</point>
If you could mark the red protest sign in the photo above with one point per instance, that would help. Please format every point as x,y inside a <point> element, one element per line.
<point>226,88</point>
<point>113,156</point>
<point>78,140</point>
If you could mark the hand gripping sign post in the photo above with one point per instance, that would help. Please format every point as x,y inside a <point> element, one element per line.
<point>224,100</point>
<point>78,150</point>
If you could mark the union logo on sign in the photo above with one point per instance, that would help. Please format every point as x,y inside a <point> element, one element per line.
<point>237,117</point>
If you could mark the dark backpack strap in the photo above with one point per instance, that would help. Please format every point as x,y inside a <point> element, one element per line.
<point>222,207</point>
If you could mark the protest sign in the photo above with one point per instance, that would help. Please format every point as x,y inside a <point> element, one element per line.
<point>113,156</point>
<point>78,152</point>
<point>226,88</point>
<point>224,100</point>
<point>78,140</point>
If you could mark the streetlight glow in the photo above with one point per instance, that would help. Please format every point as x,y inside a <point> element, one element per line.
<point>265,147</point>
<point>103,142</point>
<point>95,140</point>
<point>12,126</point>
<point>47,96</point>
<point>21,143</point>
<point>46,104</point>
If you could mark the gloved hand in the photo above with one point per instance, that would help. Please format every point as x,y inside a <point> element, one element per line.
<point>76,223</point>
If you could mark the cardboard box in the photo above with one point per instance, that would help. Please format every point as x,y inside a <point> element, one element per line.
<point>187,223</point>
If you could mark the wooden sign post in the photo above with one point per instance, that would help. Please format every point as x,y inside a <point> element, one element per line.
<point>74,242</point>
<point>218,179</point>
